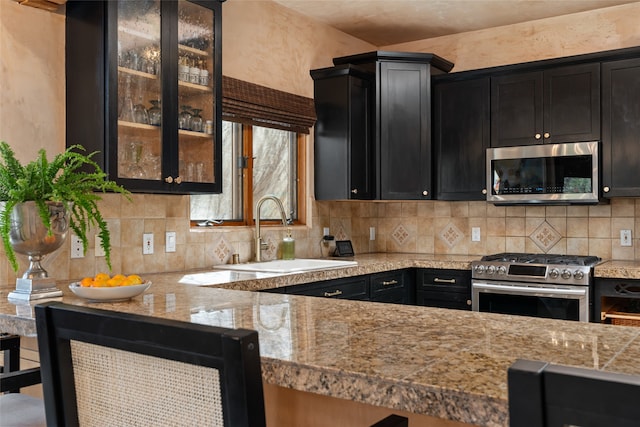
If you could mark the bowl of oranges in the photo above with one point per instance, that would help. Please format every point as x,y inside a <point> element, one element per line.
<point>104,287</point>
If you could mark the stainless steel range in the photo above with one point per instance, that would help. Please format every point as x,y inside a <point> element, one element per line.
<point>541,285</point>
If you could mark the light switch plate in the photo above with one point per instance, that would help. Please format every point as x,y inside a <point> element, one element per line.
<point>475,234</point>
<point>147,243</point>
<point>372,233</point>
<point>170,239</point>
<point>625,238</point>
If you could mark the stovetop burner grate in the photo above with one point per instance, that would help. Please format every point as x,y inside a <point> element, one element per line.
<point>526,258</point>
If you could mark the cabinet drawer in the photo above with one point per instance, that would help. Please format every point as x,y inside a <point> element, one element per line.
<point>451,280</point>
<point>457,300</point>
<point>392,287</point>
<point>352,288</point>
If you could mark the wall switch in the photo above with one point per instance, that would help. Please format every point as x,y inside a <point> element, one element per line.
<point>325,231</point>
<point>99,250</point>
<point>147,243</point>
<point>170,238</point>
<point>372,233</point>
<point>625,237</point>
<point>76,247</point>
<point>475,234</point>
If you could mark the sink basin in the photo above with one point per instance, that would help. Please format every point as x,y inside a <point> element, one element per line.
<point>290,265</point>
<point>222,276</point>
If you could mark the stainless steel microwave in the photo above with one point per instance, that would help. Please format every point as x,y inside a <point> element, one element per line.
<point>547,174</point>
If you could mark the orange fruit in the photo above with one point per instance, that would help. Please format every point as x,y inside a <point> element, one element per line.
<point>102,277</point>
<point>87,282</point>
<point>135,279</point>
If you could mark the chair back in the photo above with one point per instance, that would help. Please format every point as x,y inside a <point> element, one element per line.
<point>544,395</point>
<point>103,367</point>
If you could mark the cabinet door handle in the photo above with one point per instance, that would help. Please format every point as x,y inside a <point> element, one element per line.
<point>438,280</point>
<point>538,136</point>
<point>333,294</point>
<point>389,282</point>
<point>354,191</point>
<point>178,180</point>
<point>484,191</point>
<point>547,135</point>
<point>425,193</point>
<point>468,302</point>
<point>168,179</point>
<point>606,189</point>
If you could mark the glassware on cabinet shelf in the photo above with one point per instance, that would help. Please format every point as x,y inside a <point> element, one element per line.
<point>140,113</point>
<point>155,113</point>
<point>134,158</point>
<point>125,104</point>
<point>196,120</point>
<point>184,119</point>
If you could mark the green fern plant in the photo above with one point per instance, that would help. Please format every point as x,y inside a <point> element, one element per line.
<point>71,177</point>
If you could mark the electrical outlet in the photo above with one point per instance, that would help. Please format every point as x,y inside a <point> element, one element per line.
<point>99,251</point>
<point>325,231</point>
<point>77,250</point>
<point>372,233</point>
<point>147,243</point>
<point>475,234</point>
<point>625,237</point>
<point>170,239</point>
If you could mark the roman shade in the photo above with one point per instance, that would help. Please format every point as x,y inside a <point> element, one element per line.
<point>249,103</point>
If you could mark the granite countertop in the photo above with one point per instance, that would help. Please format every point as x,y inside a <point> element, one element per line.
<point>449,364</point>
<point>617,270</point>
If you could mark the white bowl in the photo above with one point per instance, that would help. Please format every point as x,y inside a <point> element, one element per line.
<point>116,293</point>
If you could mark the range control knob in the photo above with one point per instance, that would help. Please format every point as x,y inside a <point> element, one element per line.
<point>578,274</point>
<point>491,269</point>
<point>480,269</point>
<point>566,274</point>
<point>502,270</point>
<point>554,273</point>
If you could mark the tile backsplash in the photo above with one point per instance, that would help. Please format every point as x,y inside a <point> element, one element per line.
<point>405,226</point>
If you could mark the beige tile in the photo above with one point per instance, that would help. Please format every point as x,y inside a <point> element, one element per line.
<point>155,206</point>
<point>577,227</point>
<point>559,224</point>
<point>495,244</point>
<point>577,246</point>
<point>425,227</point>
<point>426,209</point>
<point>556,211</point>
<point>131,233</point>
<point>600,211</point>
<point>409,209</point>
<point>477,209</point>
<point>618,224</point>
<point>531,224</point>
<point>425,244</point>
<point>177,207</point>
<point>496,226</point>
<point>514,226</point>
<point>442,209</point>
<point>459,209</point>
<point>393,210</point>
<point>599,228</point>
<point>600,247</point>
<point>622,252</point>
<point>494,211</point>
<point>535,211</point>
<point>577,211</point>
<point>516,211</point>
<point>623,207</point>
<point>515,244</point>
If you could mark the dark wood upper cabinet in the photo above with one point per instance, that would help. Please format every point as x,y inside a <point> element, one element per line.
<point>560,104</point>
<point>142,80</point>
<point>461,131</point>
<point>621,128</point>
<point>398,116</point>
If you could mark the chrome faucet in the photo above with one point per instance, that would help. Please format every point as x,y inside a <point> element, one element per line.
<point>260,245</point>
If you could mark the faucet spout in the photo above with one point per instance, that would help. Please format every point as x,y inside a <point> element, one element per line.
<point>283,215</point>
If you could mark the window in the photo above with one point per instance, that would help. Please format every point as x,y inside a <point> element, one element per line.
<point>263,152</point>
<point>256,161</point>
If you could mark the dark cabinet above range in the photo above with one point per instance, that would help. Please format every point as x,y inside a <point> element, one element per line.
<point>561,104</point>
<point>392,119</point>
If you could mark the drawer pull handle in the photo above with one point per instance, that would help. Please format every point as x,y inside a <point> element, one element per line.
<point>333,294</point>
<point>438,280</point>
<point>389,282</point>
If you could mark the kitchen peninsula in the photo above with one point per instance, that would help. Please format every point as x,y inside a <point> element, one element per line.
<point>445,366</point>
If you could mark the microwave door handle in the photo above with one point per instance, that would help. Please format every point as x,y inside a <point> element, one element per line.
<point>513,289</point>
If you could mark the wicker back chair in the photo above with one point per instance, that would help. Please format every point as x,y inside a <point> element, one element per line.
<point>107,368</point>
<point>542,394</point>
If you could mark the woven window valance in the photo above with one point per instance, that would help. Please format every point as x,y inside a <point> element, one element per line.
<point>250,103</point>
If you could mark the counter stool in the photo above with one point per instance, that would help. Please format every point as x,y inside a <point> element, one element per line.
<point>17,409</point>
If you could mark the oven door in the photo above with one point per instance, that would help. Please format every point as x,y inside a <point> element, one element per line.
<point>531,299</point>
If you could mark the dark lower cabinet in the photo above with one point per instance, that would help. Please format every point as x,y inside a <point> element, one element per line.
<point>393,287</point>
<point>354,288</point>
<point>443,288</point>
<point>616,301</point>
<point>621,128</point>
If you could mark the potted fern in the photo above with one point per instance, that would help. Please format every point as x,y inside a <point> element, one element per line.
<point>62,192</point>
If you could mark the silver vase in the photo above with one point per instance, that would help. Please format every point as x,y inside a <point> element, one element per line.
<point>29,236</point>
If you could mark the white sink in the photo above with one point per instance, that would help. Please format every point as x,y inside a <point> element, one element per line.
<point>289,265</point>
<point>221,277</point>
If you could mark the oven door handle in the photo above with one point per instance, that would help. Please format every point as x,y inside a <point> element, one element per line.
<point>530,290</point>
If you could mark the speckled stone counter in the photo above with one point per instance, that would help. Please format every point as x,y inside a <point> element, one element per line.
<point>618,270</point>
<point>444,363</point>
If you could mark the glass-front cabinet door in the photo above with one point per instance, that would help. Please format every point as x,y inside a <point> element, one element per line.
<point>153,107</point>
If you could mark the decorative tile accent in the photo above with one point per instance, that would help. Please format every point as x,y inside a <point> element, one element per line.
<point>400,235</point>
<point>222,251</point>
<point>451,235</point>
<point>341,235</point>
<point>545,236</point>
